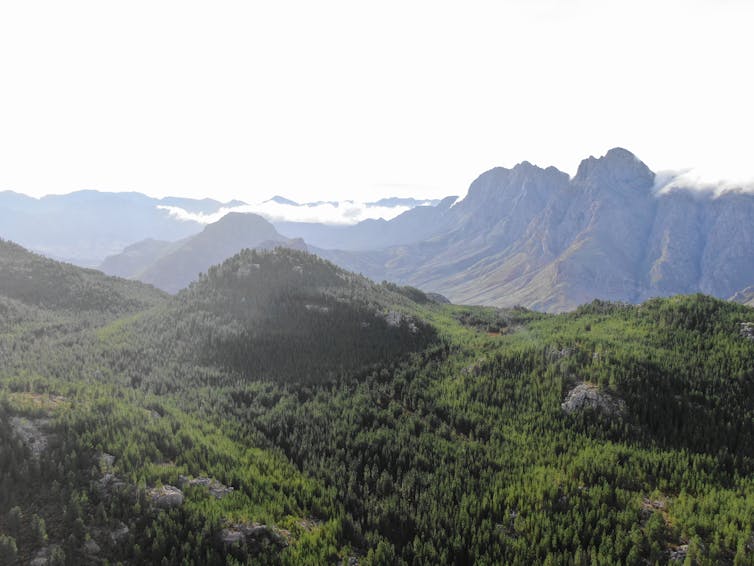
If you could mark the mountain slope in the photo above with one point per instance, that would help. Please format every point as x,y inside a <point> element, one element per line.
<point>172,266</point>
<point>419,223</point>
<point>534,237</point>
<point>290,315</point>
<point>745,296</point>
<point>36,281</point>
<point>134,259</point>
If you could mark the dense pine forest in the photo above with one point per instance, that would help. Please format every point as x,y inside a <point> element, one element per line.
<point>283,411</point>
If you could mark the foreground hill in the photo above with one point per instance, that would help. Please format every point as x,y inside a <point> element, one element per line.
<point>534,237</point>
<point>172,266</point>
<point>289,315</point>
<point>283,411</point>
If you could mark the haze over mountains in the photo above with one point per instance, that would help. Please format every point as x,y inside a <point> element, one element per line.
<point>521,236</point>
<point>85,227</point>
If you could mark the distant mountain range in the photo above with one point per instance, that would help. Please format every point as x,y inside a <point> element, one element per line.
<point>521,236</point>
<point>86,226</point>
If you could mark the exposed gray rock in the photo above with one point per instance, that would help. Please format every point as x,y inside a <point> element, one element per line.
<point>119,532</point>
<point>215,488</point>
<point>166,497</point>
<point>747,330</point>
<point>745,296</point>
<point>109,484</point>
<point>679,554</point>
<point>589,396</point>
<point>31,433</point>
<point>395,319</point>
<point>253,536</point>
<point>106,462</point>
<point>45,555</point>
<point>533,237</point>
<point>91,547</point>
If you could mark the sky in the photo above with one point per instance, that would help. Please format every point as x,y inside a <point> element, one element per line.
<point>354,100</point>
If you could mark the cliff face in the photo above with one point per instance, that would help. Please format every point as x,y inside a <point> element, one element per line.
<point>534,237</point>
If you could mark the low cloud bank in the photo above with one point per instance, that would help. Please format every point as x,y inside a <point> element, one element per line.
<point>344,213</point>
<point>701,182</point>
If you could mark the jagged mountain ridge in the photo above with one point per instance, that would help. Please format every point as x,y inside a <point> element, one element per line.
<point>534,237</point>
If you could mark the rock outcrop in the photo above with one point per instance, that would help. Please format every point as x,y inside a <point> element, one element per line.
<point>215,488</point>
<point>165,497</point>
<point>747,330</point>
<point>252,537</point>
<point>32,433</point>
<point>588,396</point>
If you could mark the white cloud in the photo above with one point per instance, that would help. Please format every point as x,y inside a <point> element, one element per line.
<point>701,181</point>
<point>346,212</point>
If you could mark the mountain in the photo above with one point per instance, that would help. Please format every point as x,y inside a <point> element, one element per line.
<point>39,282</point>
<point>86,226</point>
<point>172,266</point>
<point>414,225</point>
<point>134,259</point>
<point>745,296</point>
<point>534,237</point>
<point>243,310</point>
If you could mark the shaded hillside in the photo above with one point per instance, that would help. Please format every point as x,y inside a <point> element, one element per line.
<point>534,237</point>
<point>36,281</point>
<point>288,314</point>
<point>134,259</point>
<point>172,266</point>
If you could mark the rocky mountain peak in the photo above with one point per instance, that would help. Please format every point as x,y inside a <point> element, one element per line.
<point>617,168</point>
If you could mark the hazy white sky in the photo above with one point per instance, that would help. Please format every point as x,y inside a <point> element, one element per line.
<point>332,100</point>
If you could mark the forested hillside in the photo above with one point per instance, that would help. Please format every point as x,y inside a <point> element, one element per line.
<point>284,411</point>
<point>41,282</point>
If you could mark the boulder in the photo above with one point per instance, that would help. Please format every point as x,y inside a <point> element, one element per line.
<point>254,537</point>
<point>679,554</point>
<point>119,533</point>
<point>588,396</point>
<point>166,497</point>
<point>91,547</point>
<point>31,433</point>
<point>747,330</point>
